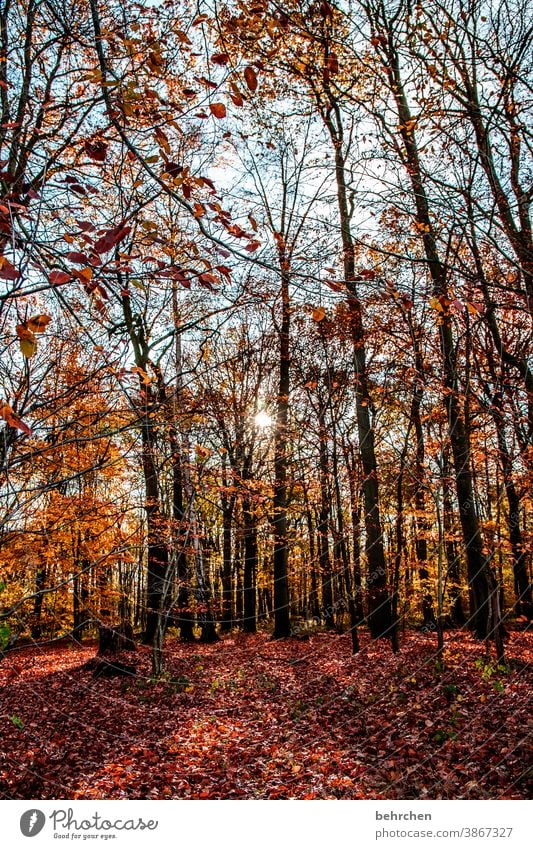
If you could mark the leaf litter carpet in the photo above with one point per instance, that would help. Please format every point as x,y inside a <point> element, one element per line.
<point>252,718</point>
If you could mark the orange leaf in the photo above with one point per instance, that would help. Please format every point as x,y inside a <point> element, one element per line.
<point>218,110</point>
<point>13,420</point>
<point>319,314</point>
<point>8,271</point>
<point>84,274</point>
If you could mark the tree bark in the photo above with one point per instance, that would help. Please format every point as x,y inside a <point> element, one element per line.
<point>282,627</point>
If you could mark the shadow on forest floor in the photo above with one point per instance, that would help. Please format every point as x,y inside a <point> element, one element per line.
<point>251,718</point>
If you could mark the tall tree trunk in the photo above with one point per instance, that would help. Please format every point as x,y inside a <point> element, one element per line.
<point>453,559</point>
<point>342,545</point>
<point>181,531</point>
<point>282,627</point>
<point>326,575</point>
<point>314,602</point>
<point>355,510</point>
<point>228,505</point>
<point>157,560</point>
<point>478,567</point>
<point>181,534</point>
<point>237,570</point>
<point>522,585</point>
<point>250,566</point>
<point>379,602</point>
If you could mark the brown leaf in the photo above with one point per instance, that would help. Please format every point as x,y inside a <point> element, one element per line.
<point>251,78</point>
<point>38,323</point>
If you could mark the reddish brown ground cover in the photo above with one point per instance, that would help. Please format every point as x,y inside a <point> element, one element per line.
<point>251,718</point>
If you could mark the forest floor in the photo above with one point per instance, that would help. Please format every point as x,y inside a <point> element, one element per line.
<point>249,718</point>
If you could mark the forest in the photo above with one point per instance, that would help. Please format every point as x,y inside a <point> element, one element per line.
<point>266,398</point>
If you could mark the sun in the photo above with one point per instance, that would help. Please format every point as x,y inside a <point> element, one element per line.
<point>262,419</point>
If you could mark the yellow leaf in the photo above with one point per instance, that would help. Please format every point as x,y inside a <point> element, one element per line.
<point>436,304</point>
<point>86,273</point>
<point>28,347</point>
<point>27,340</point>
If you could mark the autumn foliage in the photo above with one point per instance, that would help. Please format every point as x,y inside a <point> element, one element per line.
<point>266,290</point>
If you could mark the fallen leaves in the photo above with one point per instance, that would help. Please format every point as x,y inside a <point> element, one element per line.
<point>251,718</point>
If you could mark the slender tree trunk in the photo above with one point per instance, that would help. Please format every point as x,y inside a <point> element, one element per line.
<point>40,584</point>
<point>379,602</point>
<point>282,627</point>
<point>453,559</point>
<point>237,570</point>
<point>227,594</point>
<point>314,603</point>
<point>250,567</point>
<point>355,510</point>
<point>326,575</point>
<point>478,567</point>
<point>181,533</point>
<point>157,561</point>
<point>522,585</point>
<point>343,549</point>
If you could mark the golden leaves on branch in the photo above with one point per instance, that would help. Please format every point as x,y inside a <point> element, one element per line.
<point>26,333</point>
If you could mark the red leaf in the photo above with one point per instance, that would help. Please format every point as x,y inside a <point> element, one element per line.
<point>173,168</point>
<point>111,238</point>
<point>57,278</point>
<point>96,150</point>
<point>224,270</point>
<point>251,78</point>
<point>86,226</point>
<point>77,257</point>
